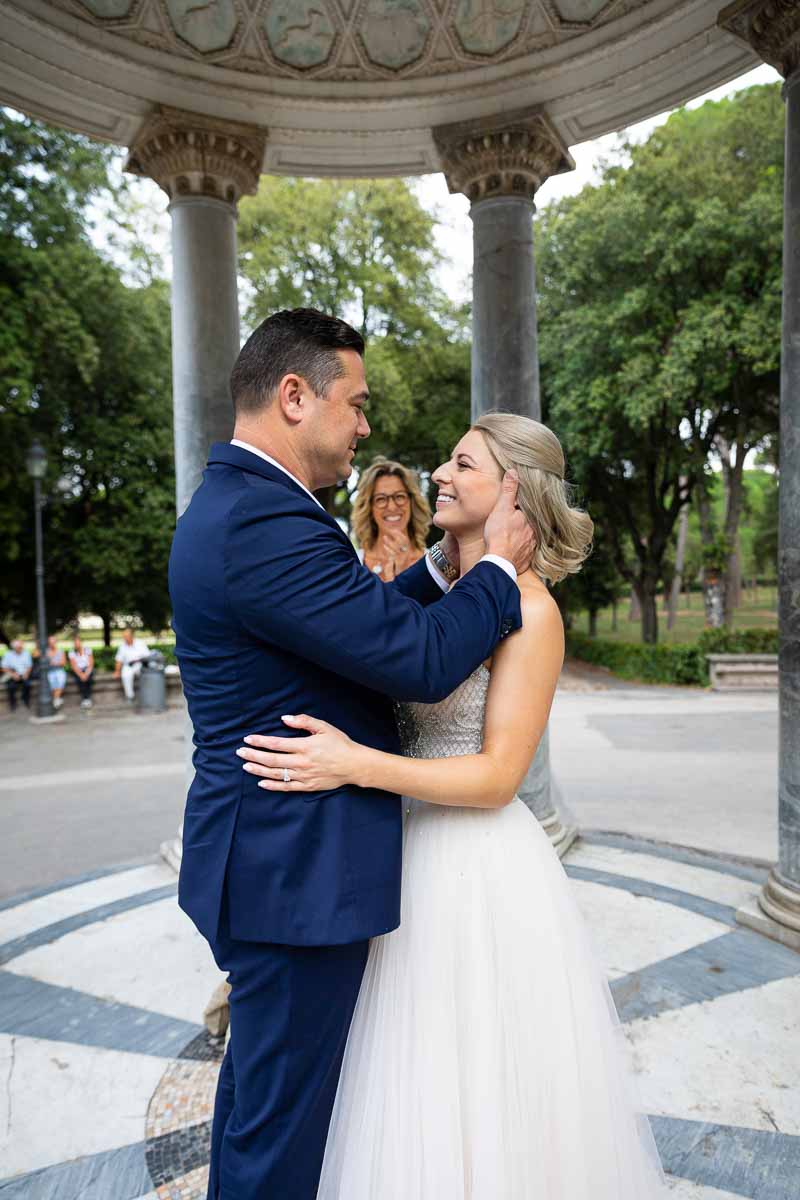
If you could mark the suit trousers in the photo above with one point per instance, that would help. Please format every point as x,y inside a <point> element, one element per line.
<point>291,1008</point>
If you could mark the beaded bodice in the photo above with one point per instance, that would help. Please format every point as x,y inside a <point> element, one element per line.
<point>451,727</point>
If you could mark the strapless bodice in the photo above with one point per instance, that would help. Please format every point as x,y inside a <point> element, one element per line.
<point>451,727</point>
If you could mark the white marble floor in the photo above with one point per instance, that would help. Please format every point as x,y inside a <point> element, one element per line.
<point>102,986</point>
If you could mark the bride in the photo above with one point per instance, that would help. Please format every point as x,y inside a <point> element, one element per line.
<point>483,1059</point>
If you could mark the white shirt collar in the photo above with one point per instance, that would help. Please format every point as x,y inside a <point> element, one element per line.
<point>273,463</point>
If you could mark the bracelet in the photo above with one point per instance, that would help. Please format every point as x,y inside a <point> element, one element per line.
<point>442,563</point>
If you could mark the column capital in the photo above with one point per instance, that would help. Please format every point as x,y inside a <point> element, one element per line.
<point>189,154</point>
<point>508,155</point>
<point>770,27</point>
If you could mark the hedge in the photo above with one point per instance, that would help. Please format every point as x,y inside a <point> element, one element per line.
<point>104,655</point>
<point>681,663</point>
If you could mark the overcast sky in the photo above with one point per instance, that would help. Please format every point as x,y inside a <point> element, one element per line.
<point>455,228</point>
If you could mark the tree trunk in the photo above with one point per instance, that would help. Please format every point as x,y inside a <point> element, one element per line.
<point>647,592</point>
<point>680,558</point>
<point>733,474</point>
<point>713,599</point>
<point>733,583</point>
<point>712,583</point>
<point>614,607</point>
<point>592,622</point>
<point>635,610</point>
<point>106,617</point>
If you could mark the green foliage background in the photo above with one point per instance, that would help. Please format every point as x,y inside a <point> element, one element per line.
<point>85,368</point>
<point>659,292</point>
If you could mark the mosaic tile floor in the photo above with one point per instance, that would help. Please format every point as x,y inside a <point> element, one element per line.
<point>107,1076</point>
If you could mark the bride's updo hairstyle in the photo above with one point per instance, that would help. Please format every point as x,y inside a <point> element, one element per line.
<point>563,533</point>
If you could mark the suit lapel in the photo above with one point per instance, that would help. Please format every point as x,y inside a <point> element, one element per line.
<point>244,460</point>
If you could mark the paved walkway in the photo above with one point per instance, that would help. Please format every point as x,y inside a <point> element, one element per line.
<point>108,1076</point>
<point>676,764</point>
<point>87,792</point>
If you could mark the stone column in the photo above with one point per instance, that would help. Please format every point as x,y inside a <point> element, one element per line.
<point>772,28</point>
<point>499,163</point>
<point>204,165</point>
<point>505,358</point>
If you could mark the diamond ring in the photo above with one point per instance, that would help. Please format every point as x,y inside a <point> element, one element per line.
<point>286,776</point>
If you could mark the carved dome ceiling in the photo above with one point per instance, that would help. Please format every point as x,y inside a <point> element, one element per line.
<point>355,86</point>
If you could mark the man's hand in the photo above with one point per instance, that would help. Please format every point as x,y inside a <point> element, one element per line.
<point>507,533</point>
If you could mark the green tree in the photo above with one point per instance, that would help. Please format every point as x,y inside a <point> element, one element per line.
<point>366,251</point>
<point>660,318</point>
<point>84,366</point>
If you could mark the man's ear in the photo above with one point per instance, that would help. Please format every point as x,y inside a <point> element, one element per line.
<point>291,399</point>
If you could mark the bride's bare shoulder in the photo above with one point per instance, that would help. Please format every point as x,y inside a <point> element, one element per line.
<point>541,616</point>
<point>541,621</point>
<point>536,599</point>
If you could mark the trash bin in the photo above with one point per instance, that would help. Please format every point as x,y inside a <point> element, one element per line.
<point>153,684</point>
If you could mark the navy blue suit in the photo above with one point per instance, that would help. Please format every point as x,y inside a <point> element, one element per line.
<point>274,614</point>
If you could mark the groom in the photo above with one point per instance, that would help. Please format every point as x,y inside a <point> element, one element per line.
<point>274,614</point>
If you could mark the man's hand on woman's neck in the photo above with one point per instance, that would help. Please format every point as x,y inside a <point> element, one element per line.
<point>471,549</point>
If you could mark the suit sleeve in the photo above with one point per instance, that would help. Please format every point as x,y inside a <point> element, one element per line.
<point>292,580</point>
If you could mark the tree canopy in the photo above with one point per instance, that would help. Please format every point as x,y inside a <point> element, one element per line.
<point>366,250</point>
<point>659,308</point>
<point>85,368</point>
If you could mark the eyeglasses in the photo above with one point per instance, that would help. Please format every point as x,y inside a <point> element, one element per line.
<point>398,498</point>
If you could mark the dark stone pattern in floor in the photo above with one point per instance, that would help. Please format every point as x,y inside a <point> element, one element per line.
<point>30,1008</point>
<point>734,962</point>
<point>175,1154</point>
<point>724,913</point>
<point>64,884</point>
<point>755,1163</point>
<point>680,854</point>
<point>58,929</point>
<point>204,1048</point>
<point>119,1174</point>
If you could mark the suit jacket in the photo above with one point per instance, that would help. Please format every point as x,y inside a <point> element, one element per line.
<point>274,614</point>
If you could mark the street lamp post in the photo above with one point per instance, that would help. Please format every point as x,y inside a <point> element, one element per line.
<point>37,465</point>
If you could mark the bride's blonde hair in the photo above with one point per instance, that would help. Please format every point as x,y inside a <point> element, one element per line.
<point>563,532</point>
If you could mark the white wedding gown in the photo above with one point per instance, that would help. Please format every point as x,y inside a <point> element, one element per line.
<point>484,1059</point>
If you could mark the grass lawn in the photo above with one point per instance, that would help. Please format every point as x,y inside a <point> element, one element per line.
<point>757,611</point>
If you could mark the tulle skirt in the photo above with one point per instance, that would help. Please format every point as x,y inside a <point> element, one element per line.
<point>485,1060</point>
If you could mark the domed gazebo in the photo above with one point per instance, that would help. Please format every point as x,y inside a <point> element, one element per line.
<point>208,94</point>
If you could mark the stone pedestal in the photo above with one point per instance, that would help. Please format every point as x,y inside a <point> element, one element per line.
<point>499,164</point>
<point>537,793</point>
<point>772,28</point>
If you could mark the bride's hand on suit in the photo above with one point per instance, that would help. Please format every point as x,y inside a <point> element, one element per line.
<point>326,759</point>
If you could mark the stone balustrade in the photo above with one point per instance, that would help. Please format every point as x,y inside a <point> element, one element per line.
<point>743,672</point>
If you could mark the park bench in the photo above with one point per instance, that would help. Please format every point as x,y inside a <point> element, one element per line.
<point>107,694</point>
<point>743,672</point>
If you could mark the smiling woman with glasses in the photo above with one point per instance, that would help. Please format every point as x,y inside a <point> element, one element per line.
<point>391,518</point>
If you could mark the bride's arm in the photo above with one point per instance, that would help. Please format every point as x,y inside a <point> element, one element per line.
<point>525,670</point>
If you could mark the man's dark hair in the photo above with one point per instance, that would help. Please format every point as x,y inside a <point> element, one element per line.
<point>298,341</point>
